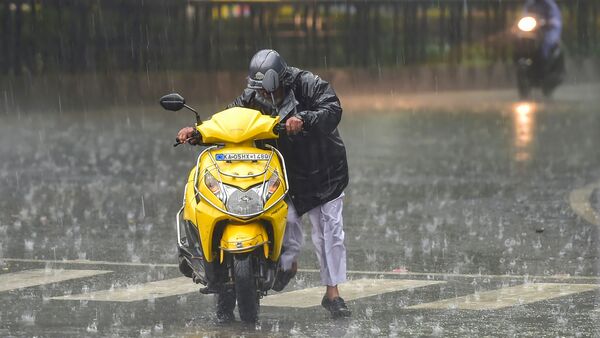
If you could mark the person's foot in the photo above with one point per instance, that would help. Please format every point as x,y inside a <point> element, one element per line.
<point>336,306</point>
<point>225,317</point>
<point>283,277</point>
<point>225,305</point>
<point>210,288</point>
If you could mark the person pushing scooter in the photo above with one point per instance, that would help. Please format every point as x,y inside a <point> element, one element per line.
<point>317,168</point>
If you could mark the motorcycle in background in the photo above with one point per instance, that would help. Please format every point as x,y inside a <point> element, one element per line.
<point>533,70</point>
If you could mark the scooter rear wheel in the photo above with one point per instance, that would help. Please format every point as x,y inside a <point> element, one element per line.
<point>245,288</point>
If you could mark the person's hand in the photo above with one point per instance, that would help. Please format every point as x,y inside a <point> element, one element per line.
<point>188,135</point>
<point>293,125</point>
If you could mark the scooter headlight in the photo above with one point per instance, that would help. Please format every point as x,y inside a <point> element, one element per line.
<point>527,24</point>
<point>213,185</point>
<point>271,186</point>
<point>242,202</point>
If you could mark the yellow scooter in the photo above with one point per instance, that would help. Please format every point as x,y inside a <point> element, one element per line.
<point>231,225</point>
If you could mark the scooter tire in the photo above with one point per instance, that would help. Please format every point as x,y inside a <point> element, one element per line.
<point>245,288</point>
<point>184,267</point>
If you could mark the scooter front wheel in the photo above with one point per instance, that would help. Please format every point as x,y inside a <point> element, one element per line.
<point>245,288</point>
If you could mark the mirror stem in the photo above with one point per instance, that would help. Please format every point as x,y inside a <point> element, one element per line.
<point>198,120</point>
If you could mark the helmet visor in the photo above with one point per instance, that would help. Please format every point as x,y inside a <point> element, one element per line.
<point>254,84</point>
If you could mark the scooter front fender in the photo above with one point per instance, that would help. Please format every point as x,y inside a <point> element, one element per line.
<point>240,238</point>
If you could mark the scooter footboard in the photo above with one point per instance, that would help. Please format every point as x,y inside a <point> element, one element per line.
<point>239,238</point>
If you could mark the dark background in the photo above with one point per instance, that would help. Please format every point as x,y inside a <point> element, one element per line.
<point>61,54</point>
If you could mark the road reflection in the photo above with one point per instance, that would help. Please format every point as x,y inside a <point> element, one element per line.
<point>523,115</point>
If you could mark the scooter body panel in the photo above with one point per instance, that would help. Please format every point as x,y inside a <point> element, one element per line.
<point>237,125</point>
<point>236,191</point>
<point>242,238</point>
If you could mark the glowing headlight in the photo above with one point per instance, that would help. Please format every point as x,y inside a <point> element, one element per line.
<point>527,24</point>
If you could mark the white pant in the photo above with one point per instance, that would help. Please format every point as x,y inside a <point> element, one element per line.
<point>327,236</point>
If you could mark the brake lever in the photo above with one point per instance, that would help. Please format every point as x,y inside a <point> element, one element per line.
<point>178,143</point>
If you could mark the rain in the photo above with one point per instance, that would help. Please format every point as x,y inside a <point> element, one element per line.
<point>472,209</point>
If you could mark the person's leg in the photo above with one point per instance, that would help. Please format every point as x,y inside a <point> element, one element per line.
<point>328,238</point>
<point>293,239</point>
<point>550,41</point>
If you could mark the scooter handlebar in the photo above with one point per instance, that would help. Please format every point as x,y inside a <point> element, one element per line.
<point>194,136</point>
<point>280,128</point>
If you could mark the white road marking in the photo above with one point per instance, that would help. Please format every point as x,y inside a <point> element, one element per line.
<point>351,290</point>
<point>28,278</point>
<point>580,203</point>
<point>85,262</point>
<point>137,292</point>
<point>506,297</point>
<point>350,272</point>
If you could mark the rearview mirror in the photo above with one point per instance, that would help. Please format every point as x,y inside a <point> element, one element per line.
<point>172,102</point>
<point>271,81</point>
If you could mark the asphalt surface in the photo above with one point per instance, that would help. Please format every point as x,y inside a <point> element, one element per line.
<point>475,197</point>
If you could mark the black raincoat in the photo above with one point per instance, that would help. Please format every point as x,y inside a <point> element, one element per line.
<point>316,158</point>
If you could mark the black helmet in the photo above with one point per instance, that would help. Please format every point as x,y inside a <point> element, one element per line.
<point>261,62</point>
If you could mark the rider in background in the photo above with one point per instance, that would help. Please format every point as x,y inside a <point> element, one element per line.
<point>549,11</point>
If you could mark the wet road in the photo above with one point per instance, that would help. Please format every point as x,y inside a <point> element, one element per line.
<point>476,198</point>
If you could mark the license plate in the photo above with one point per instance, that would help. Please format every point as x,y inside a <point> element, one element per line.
<point>242,157</point>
